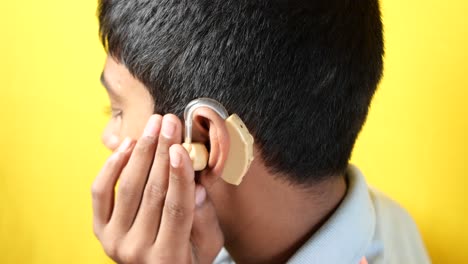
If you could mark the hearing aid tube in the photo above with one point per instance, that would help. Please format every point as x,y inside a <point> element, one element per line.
<point>197,103</point>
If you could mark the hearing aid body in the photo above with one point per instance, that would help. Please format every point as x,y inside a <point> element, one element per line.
<point>240,154</point>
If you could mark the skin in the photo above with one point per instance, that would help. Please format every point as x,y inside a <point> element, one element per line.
<point>160,215</point>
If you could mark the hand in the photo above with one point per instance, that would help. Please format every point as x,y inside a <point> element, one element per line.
<point>159,214</point>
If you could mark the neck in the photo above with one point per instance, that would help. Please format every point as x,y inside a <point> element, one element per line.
<point>266,220</point>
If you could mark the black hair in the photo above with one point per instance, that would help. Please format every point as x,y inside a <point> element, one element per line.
<point>301,74</point>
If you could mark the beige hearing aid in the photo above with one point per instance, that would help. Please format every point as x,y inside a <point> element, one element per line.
<point>240,154</point>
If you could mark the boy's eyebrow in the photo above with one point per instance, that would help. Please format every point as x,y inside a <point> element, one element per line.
<point>107,86</point>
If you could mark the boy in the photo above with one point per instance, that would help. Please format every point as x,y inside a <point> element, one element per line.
<point>301,75</point>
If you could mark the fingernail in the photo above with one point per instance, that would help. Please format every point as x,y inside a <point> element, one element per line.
<point>152,127</point>
<point>200,195</point>
<point>175,157</point>
<point>125,144</point>
<point>168,128</point>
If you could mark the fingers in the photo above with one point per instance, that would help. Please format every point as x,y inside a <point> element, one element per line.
<point>155,206</point>
<point>207,237</point>
<point>177,217</point>
<point>103,186</point>
<point>149,216</point>
<point>134,176</point>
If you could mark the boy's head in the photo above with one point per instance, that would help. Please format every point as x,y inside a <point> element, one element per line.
<point>301,74</point>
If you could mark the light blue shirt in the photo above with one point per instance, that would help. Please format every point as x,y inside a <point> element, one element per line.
<point>366,224</point>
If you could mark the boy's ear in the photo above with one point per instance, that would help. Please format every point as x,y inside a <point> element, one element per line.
<point>210,129</point>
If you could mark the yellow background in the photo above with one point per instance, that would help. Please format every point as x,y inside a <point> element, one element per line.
<point>413,146</point>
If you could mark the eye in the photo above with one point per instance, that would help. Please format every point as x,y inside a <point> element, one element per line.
<point>112,112</point>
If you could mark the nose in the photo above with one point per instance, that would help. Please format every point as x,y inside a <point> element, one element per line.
<point>109,139</point>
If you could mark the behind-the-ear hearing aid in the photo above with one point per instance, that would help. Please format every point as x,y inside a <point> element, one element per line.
<point>240,153</point>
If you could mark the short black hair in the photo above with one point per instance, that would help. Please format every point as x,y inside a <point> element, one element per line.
<point>301,74</point>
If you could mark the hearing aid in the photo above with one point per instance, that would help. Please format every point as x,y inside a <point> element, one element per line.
<point>240,154</point>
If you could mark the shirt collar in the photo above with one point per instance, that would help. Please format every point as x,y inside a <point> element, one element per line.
<point>347,234</point>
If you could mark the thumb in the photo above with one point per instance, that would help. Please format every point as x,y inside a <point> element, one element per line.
<point>207,237</point>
